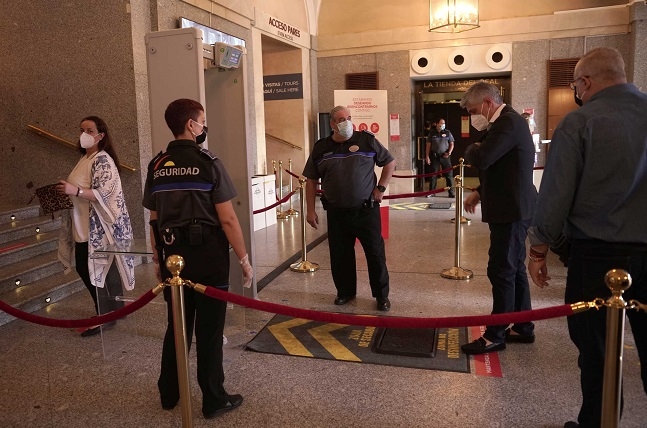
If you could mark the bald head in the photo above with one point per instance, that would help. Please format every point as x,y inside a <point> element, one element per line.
<point>604,63</point>
<point>598,69</point>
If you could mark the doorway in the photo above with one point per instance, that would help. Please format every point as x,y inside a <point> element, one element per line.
<point>441,99</point>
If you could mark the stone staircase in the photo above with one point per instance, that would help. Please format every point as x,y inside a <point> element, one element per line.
<point>31,277</point>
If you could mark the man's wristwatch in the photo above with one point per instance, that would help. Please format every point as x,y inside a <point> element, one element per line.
<point>381,188</point>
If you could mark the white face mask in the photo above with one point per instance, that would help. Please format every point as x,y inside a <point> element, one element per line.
<point>86,140</point>
<point>480,122</point>
<point>442,127</point>
<point>345,128</point>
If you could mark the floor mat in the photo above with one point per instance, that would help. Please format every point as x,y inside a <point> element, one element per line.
<point>431,349</point>
<point>440,206</point>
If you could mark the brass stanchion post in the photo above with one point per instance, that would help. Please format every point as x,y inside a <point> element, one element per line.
<point>279,211</point>
<point>304,265</point>
<point>618,281</point>
<point>461,172</point>
<point>291,211</point>
<point>175,264</point>
<point>457,272</point>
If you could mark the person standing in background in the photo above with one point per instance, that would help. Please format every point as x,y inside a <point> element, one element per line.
<point>438,151</point>
<point>345,162</point>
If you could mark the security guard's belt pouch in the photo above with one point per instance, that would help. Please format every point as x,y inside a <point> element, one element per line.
<point>195,234</point>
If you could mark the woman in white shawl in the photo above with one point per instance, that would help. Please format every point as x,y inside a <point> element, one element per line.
<point>99,218</point>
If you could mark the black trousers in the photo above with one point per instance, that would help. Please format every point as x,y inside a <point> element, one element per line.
<point>104,298</point>
<point>444,163</point>
<point>207,264</point>
<point>588,263</point>
<point>506,271</point>
<point>344,227</point>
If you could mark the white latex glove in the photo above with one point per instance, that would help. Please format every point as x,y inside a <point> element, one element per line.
<point>248,271</point>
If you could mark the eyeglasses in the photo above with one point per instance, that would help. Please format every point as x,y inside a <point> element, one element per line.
<point>572,85</point>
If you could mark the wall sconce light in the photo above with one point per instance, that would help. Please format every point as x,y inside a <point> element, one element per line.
<point>48,299</point>
<point>17,282</point>
<point>37,229</point>
<point>13,217</point>
<point>453,16</point>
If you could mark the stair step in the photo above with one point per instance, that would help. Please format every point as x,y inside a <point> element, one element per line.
<point>24,228</point>
<point>26,248</point>
<point>21,212</point>
<point>28,271</point>
<point>32,297</point>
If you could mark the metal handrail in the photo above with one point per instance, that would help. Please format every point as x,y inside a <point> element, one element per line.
<point>281,140</point>
<point>67,143</point>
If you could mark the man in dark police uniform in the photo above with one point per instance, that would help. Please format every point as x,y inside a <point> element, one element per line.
<point>345,162</point>
<point>189,193</point>
<point>438,151</point>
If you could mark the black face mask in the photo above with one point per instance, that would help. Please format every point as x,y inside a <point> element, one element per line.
<point>202,137</point>
<point>578,100</point>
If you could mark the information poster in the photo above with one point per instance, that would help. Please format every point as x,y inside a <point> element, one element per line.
<point>394,127</point>
<point>368,110</point>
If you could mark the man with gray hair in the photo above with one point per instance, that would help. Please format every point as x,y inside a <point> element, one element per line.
<point>594,185</point>
<point>505,157</point>
<point>345,163</point>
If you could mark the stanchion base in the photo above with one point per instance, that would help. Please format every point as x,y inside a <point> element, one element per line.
<point>304,266</point>
<point>292,212</point>
<point>281,215</point>
<point>457,273</point>
<point>464,220</point>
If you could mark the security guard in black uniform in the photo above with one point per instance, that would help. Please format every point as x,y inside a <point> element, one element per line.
<point>438,150</point>
<point>189,193</point>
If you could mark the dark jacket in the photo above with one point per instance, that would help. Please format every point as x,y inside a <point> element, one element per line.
<point>505,160</point>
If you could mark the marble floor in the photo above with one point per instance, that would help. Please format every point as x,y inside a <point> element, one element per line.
<point>52,377</point>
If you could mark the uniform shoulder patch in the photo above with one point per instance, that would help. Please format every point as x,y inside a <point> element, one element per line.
<point>154,160</point>
<point>208,153</point>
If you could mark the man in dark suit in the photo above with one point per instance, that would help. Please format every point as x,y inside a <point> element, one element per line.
<point>504,157</point>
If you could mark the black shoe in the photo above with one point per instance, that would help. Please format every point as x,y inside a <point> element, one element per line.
<point>479,347</point>
<point>383,304</point>
<point>343,300</point>
<point>169,406</point>
<point>233,402</point>
<point>97,329</point>
<point>518,338</point>
<point>91,331</point>
<point>571,424</point>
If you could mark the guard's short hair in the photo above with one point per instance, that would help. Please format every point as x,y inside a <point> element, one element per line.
<point>335,110</point>
<point>179,112</point>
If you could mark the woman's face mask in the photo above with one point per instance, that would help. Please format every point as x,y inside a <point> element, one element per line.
<point>86,140</point>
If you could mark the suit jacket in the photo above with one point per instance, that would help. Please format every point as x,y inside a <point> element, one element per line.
<point>505,160</point>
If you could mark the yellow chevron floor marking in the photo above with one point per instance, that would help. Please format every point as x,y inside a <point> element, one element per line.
<point>292,345</point>
<point>418,206</point>
<point>332,345</point>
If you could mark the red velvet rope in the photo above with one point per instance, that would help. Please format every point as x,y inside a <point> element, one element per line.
<point>87,322</point>
<point>292,174</point>
<point>391,322</point>
<point>417,194</point>
<point>425,175</point>
<point>288,196</point>
<point>329,317</point>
